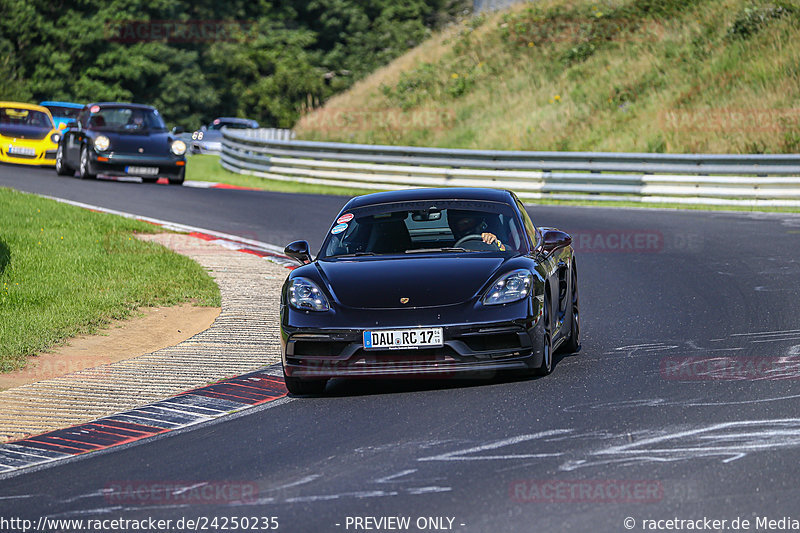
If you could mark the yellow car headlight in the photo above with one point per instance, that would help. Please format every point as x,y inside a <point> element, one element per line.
<point>178,147</point>
<point>102,143</point>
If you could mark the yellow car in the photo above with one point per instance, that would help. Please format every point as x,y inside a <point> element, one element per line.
<point>27,134</point>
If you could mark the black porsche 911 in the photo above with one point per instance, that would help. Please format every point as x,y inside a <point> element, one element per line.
<point>121,140</point>
<point>429,282</point>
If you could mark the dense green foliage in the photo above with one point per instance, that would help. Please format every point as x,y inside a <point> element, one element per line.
<point>265,60</point>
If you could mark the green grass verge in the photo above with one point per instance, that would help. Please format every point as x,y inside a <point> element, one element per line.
<point>66,271</point>
<point>207,168</point>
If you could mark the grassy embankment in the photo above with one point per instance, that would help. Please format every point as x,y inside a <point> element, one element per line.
<point>66,271</point>
<point>674,76</point>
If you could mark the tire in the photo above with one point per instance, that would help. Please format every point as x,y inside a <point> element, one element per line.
<point>573,344</point>
<point>304,387</point>
<point>62,169</point>
<point>179,179</point>
<point>547,339</point>
<point>85,167</point>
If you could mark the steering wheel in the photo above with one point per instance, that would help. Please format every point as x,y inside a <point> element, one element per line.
<point>465,238</point>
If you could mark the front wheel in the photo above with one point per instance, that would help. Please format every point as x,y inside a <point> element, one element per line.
<point>62,169</point>
<point>304,387</point>
<point>547,340</point>
<point>85,169</point>
<point>573,344</point>
<point>178,180</point>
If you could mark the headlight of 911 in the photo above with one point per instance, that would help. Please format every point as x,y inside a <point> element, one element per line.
<point>306,296</point>
<point>55,137</point>
<point>102,143</point>
<point>510,287</point>
<point>178,147</point>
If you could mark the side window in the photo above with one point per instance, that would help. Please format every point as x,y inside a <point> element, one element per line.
<point>530,229</point>
<point>83,118</point>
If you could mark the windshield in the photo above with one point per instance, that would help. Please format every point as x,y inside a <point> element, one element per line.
<point>64,112</point>
<point>10,116</point>
<point>126,119</point>
<point>425,227</point>
<point>217,125</point>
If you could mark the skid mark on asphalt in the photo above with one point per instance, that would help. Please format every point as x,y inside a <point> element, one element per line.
<point>726,441</point>
<point>187,409</point>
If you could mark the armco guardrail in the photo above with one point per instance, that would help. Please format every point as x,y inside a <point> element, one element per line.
<point>766,180</point>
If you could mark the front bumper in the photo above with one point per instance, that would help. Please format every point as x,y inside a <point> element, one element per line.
<point>468,348</point>
<point>43,155</point>
<point>115,164</point>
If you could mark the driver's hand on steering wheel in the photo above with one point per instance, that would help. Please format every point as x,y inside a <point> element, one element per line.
<point>491,238</point>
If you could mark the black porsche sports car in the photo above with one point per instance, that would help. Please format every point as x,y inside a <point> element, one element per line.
<point>429,282</point>
<point>121,140</point>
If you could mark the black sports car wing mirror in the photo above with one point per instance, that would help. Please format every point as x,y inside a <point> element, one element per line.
<point>553,240</point>
<point>298,250</point>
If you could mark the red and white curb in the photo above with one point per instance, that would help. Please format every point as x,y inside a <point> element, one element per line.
<point>186,409</point>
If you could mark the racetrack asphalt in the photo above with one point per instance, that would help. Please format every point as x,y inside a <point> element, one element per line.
<point>686,388</point>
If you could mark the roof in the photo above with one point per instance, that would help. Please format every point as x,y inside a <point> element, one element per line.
<point>62,104</point>
<point>23,105</point>
<point>120,104</point>
<point>233,119</point>
<point>454,193</point>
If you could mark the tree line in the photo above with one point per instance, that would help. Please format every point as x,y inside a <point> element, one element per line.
<point>198,59</point>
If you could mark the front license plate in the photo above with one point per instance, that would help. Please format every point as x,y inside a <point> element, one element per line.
<point>19,150</point>
<point>403,338</point>
<point>142,171</point>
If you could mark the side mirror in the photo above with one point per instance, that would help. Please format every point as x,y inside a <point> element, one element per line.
<point>177,130</point>
<point>298,250</point>
<point>553,239</point>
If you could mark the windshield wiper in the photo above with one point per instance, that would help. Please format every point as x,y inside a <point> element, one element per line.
<point>428,250</point>
<point>355,254</point>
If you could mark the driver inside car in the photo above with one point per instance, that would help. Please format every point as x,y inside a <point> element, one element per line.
<point>464,223</point>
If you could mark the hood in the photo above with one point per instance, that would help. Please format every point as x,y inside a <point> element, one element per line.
<point>24,132</point>
<point>156,144</point>
<point>380,283</point>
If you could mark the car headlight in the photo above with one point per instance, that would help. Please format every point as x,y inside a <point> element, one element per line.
<point>102,143</point>
<point>55,137</point>
<point>306,296</point>
<point>178,147</point>
<point>510,287</point>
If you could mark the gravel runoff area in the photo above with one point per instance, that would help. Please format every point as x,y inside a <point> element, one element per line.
<point>244,337</point>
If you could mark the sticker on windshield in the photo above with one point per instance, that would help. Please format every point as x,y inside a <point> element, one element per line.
<point>94,108</point>
<point>345,218</point>
<point>338,228</point>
